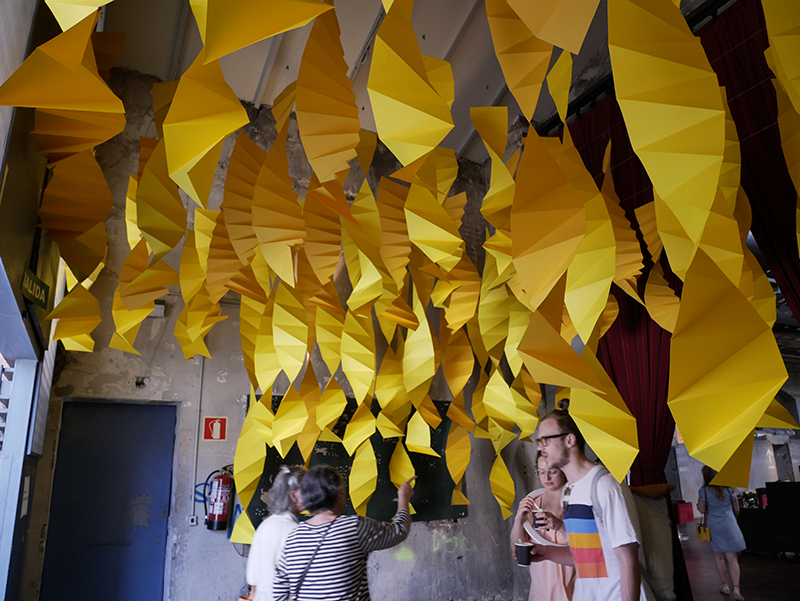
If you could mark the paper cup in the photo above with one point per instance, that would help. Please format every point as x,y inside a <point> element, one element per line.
<point>524,553</point>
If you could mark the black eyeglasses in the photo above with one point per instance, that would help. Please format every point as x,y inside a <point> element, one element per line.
<point>544,440</point>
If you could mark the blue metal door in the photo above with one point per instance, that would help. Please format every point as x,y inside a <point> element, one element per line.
<point>107,533</point>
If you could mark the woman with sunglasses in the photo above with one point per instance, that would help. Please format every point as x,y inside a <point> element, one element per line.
<point>550,581</point>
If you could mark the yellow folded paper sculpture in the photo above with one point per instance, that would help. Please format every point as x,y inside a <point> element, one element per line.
<point>551,360</point>
<point>323,241</point>
<point>628,252</point>
<point>457,454</point>
<point>203,112</point>
<point>389,381</point>
<point>401,469</point>
<point>194,322</point>
<point>462,303</point>
<point>148,285</point>
<point>62,74</point>
<point>192,276</point>
<point>240,181</point>
<point>436,171</point>
<point>327,115</point>
<point>458,362</point>
<point>395,245</point>
<point>410,114</point>
<point>248,465</point>
<point>431,229</point>
<point>226,27</point>
<point>722,379</point>
<point>78,315</point>
<point>329,325</point>
<point>660,300</point>
<point>736,471</point>
<point>418,353</point>
<point>358,355</point>
<point>108,45</point>
<point>784,41</point>
<point>563,23</point>
<point>498,402</point>
<point>777,416</point>
<point>76,198</point>
<point>605,421</point>
<point>502,486</point>
<point>675,116</point>
<point>548,222</point>
<point>277,216</point>
<point>646,216</point>
<point>86,253</point>
<point>265,360</point>
<point>365,149</point>
<point>360,427</point>
<point>61,133</point>
<point>519,318</point>
<point>223,263</point>
<point>160,213</point>
<point>290,420</point>
<point>523,57</point>
<point>493,313</point>
<point>290,330</point>
<point>163,94</point>
<point>363,477</point>
<point>559,81</point>
<point>594,267</point>
<point>72,12</point>
<point>418,436</point>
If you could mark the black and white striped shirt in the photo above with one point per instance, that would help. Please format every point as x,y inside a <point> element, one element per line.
<point>339,570</point>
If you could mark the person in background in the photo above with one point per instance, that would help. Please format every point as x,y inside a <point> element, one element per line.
<point>550,581</point>
<point>325,558</point>
<point>721,507</point>
<point>285,506</point>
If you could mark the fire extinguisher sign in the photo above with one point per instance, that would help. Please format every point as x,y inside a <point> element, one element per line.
<point>215,428</point>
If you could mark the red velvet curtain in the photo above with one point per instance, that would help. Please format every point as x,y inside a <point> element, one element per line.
<point>635,350</point>
<point>735,44</point>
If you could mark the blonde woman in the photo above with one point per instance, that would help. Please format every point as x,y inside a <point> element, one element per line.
<point>285,506</point>
<point>550,581</point>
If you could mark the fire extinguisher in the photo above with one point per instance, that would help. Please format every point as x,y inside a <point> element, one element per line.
<point>218,502</point>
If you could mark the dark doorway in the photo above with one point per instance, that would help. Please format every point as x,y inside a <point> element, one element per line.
<point>107,533</point>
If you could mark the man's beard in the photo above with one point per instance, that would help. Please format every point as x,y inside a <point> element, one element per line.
<point>557,461</point>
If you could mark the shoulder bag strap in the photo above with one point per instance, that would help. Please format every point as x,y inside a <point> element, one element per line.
<point>597,510</point>
<point>705,513</point>
<point>310,561</point>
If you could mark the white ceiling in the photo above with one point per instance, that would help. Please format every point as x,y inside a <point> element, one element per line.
<point>163,40</point>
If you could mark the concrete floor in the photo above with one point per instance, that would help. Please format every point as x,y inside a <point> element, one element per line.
<point>764,577</point>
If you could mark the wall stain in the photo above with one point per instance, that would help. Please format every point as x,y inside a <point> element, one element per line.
<point>138,511</point>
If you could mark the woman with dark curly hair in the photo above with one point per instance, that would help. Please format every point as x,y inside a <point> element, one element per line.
<point>325,558</point>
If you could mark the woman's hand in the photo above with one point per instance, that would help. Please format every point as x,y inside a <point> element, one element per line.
<point>545,519</point>
<point>405,492</point>
<point>526,507</point>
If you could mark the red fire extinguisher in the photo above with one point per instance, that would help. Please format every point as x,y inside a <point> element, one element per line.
<point>218,503</point>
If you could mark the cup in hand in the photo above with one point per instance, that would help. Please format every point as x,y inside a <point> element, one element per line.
<point>540,519</point>
<point>524,553</point>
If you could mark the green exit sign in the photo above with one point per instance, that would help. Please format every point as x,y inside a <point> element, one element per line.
<point>34,289</point>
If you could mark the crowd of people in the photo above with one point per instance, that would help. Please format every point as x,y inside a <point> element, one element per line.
<point>579,532</point>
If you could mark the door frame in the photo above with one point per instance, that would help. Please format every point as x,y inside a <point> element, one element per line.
<point>173,484</point>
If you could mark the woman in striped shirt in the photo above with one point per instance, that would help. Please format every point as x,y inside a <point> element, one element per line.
<point>325,558</point>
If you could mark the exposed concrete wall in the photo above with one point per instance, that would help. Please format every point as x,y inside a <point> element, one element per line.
<point>470,559</point>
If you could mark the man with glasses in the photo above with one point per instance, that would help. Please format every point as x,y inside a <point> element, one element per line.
<point>605,552</point>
